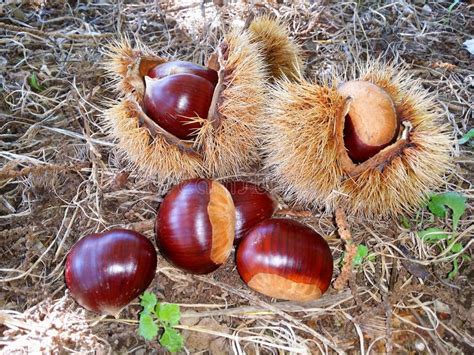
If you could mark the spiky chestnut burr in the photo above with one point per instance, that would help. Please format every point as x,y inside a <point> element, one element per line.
<point>306,152</point>
<point>223,143</point>
<point>282,54</point>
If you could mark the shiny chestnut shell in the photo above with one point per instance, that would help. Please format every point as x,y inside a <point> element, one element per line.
<point>371,123</point>
<point>285,259</point>
<point>106,271</point>
<point>253,204</point>
<point>175,101</point>
<point>195,225</point>
<point>183,67</point>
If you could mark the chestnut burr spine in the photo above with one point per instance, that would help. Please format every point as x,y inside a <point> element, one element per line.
<point>282,54</point>
<point>284,259</point>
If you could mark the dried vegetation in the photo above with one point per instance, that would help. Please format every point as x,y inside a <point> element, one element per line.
<point>61,177</point>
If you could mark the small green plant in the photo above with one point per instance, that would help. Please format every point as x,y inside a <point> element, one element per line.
<point>432,235</point>
<point>454,200</point>
<point>437,205</point>
<point>361,256</point>
<point>467,137</point>
<point>34,83</point>
<point>156,316</point>
<point>453,5</point>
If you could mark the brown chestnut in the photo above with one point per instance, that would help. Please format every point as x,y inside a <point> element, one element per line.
<point>195,225</point>
<point>175,101</point>
<point>253,204</point>
<point>106,271</point>
<point>371,123</point>
<point>182,67</point>
<point>285,259</point>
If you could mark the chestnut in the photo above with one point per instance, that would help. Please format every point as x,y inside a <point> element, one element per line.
<point>174,102</point>
<point>253,204</point>
<point>182,67</point>
<point>285,259</point>
<point>106,271</point>
<point>371,123</point>
<point>195,225</point>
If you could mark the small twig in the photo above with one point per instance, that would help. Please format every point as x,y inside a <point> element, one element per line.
<point>11,322</point>
<point>351,249</point>
<point>343,226</point>
<point>293,213</point>
<point>388,323</point>
<point>288,306</point>
<point>10,173</point>
<point>44,34</point>
<point>142,226</point>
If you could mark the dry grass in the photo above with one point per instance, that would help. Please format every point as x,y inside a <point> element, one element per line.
<point>61,178</point>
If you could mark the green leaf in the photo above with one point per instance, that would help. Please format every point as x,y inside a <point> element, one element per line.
<point>362,252</point>
<point>340,261</point>
<point>148,302</point>
<point>454,200</point>
<point>147,327</point>
<point>466,257</point>
<point>405,222</point>
<point>33,81</point>
<point>456,248</point>
<point>171,340</point>
<point>467,137</point>
<point>455,270</point>
<point>453,4</point>
<point>168,313</point>
<point>432,235</point>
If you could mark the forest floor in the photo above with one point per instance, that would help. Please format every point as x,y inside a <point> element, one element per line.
<point>61,177</point>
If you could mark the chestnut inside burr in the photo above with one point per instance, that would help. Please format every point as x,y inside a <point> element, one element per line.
<point>371,123</point>
<point>178,96</point>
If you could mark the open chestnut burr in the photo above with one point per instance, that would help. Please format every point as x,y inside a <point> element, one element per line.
<point>285,259</point>
<point>195,225</point>
<point>373,144</point>
<point>177,120</point>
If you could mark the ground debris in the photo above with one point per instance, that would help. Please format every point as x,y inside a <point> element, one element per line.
<point>61,178</point>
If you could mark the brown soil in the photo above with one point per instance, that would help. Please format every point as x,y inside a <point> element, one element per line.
<point>61,178</point>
